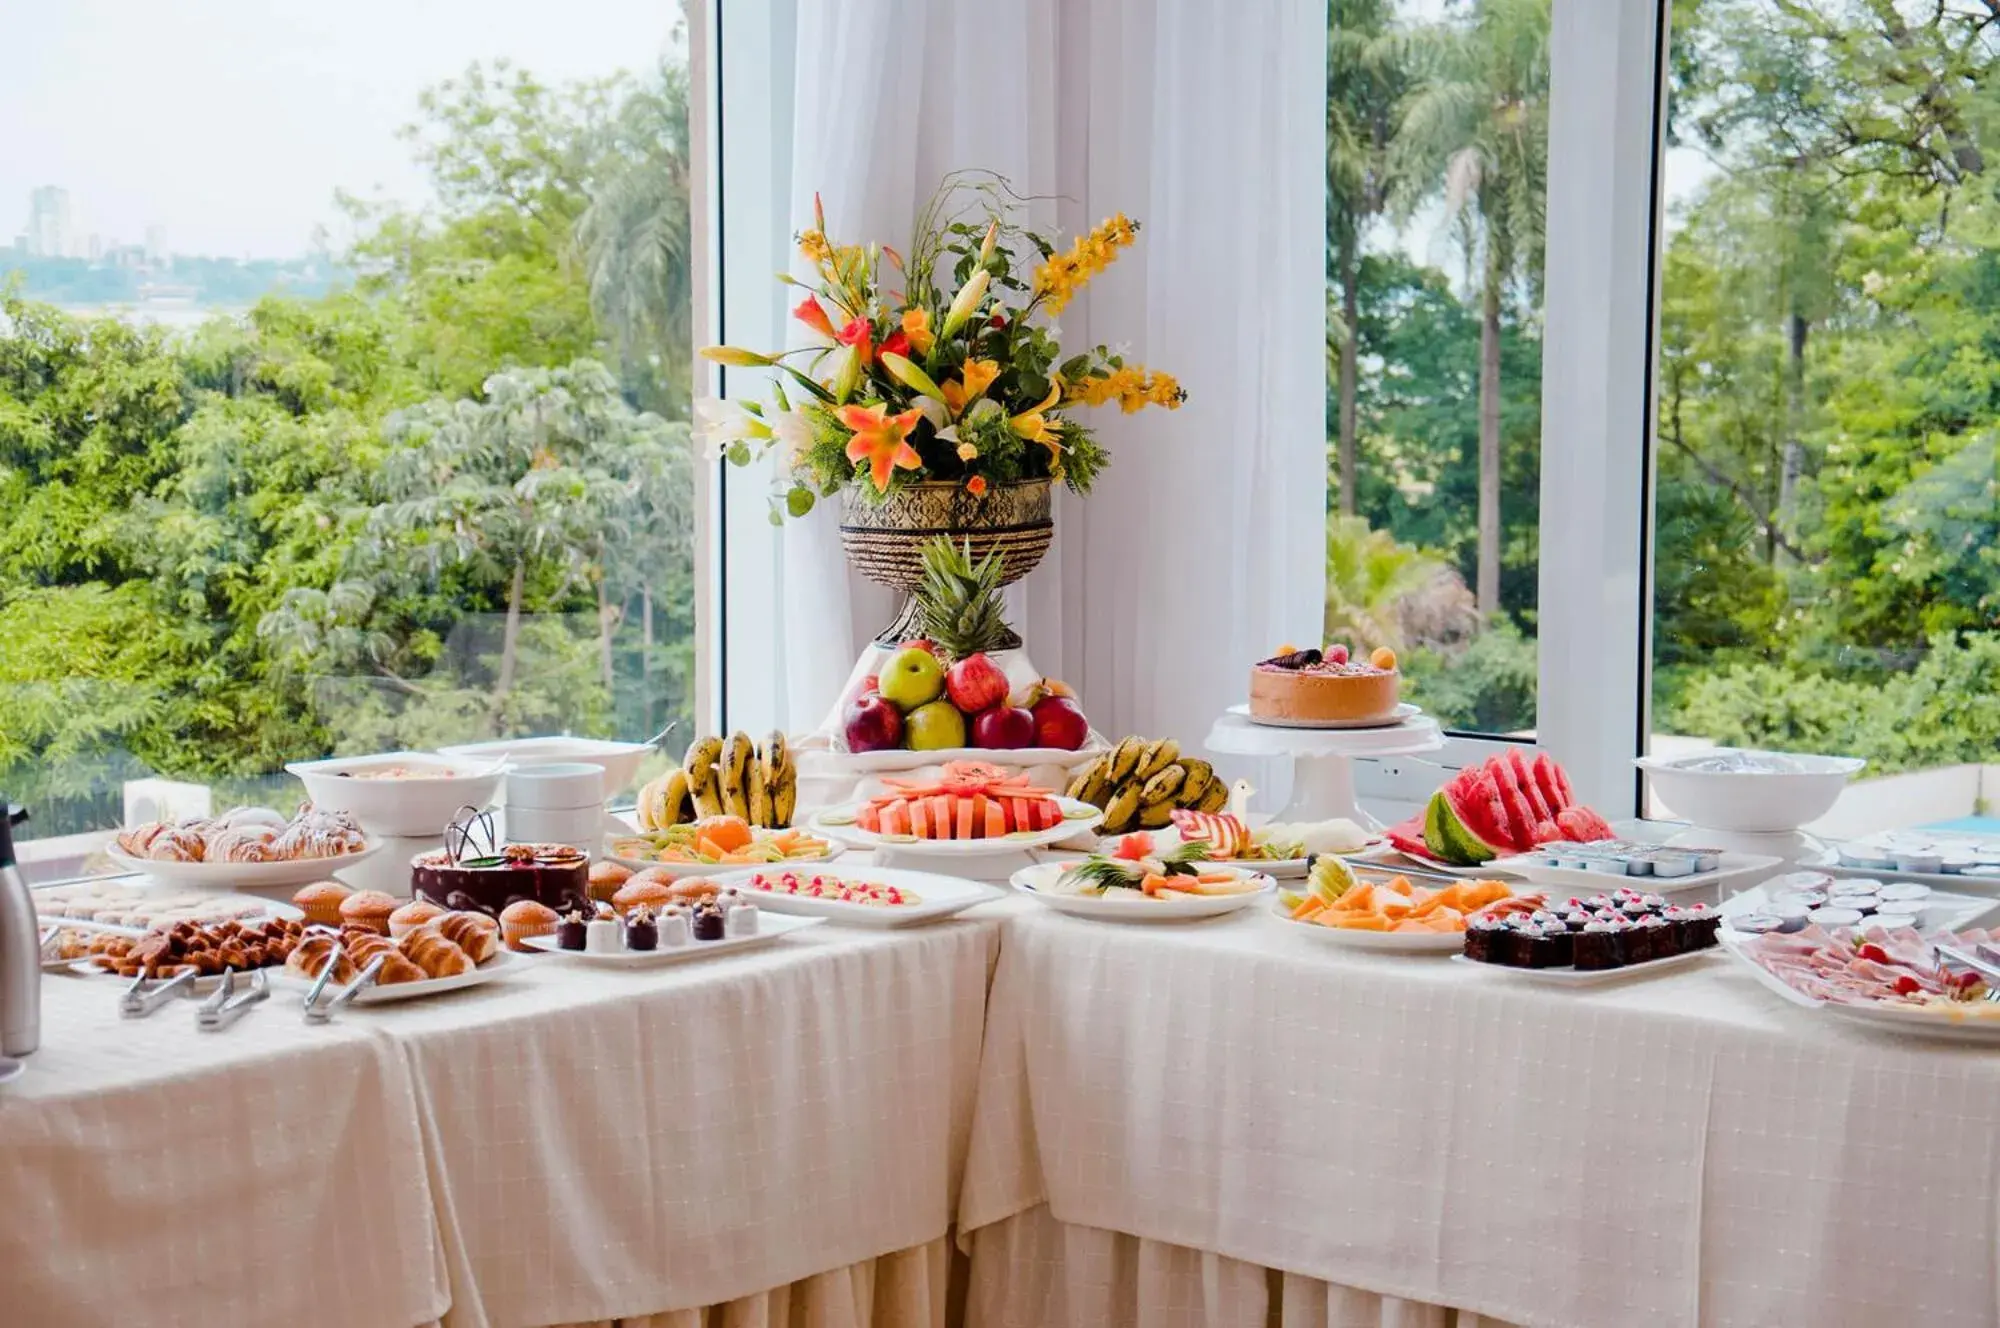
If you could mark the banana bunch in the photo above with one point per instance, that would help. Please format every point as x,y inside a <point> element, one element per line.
<point>1139,783</point>
<point>725,777</point>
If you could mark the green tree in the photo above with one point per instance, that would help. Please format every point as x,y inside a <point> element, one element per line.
<point>1473,137</point>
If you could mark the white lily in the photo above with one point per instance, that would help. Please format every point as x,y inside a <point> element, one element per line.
<point>791,435</point>
<point>720,422</point>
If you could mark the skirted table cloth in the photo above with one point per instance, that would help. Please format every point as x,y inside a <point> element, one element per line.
<point>1183,1124</point>
<point>776,1135</point>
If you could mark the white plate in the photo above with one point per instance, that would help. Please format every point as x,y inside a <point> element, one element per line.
<point>1830,864</point>
<point>1076,816</point>
<point>1943,910</point>
<point>233,875</point>
<point>1735,867</point>
<point>675,870</point>
<point>504,964</point>
<point>1899,1018</point>
<point>1036,882</point>
<point>1593,977</point>
<point>1402,714</point>
<point>1391,942</point>
<point>937,897</point>
<point>1282,869</point>
<point>770,927</point>
<point>900,758</point>
<point>1394,857</point>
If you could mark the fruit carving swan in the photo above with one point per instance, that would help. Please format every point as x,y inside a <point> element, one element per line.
<point>968,800</point>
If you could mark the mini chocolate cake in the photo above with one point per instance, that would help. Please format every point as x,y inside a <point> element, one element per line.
<point>1482,935</point>
<point>1599,945</point>
<point>641,932</point>
<point>557,875</point>
<point>708,921</point>
<point>571,932</point>
<point>1694,925</point>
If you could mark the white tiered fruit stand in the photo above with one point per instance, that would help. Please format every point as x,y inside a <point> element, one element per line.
<point>1323,759</point>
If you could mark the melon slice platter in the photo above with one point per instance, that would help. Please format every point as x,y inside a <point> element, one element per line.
<point>1505,806</point>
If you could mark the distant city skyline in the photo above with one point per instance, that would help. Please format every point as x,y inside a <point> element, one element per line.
<point>223,127</point>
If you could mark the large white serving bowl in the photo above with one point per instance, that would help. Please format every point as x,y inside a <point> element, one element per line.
<point>422,805</point>
<point>1745,801</point>
<point>619,760</point>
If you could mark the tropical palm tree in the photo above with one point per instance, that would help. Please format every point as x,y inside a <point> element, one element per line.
<point>1473,137</point>
<point>1364,82</point>
<point>1380,592</point>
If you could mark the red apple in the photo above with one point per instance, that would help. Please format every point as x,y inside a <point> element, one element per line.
<point>975,683</point>
<point>1059,722</point>
<point>919,643</point>
<point>871,724</point>
<point>1003,726</point>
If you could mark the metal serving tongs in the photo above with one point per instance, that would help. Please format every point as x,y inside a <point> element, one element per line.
<point>1966,959</point>
<point>226,1005</point>
<point>316,1013</point>
<point>143,995</point>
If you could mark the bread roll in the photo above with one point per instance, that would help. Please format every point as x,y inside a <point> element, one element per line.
<point>474,933</point>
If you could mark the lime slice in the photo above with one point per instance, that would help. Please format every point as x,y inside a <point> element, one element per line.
<point>1022,834</point>
<point>1080,813</point>
<point>837,818</point>
<point>898,839</point>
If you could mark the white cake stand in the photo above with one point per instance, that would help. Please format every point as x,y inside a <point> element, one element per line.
<point>1323,759</point>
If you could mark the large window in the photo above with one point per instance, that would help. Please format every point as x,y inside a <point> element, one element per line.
<point>1828,491</point>
<point>1437,167</point>
<point>344,379</point>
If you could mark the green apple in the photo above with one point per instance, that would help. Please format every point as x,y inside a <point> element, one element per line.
<point>912,677</point>
<point>933,727</point>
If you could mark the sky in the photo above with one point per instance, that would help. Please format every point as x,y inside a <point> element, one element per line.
<point>230,123</point>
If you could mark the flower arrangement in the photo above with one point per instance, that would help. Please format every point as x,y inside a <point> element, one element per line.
<point>945,366</point>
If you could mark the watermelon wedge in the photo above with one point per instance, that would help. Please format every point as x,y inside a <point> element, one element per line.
<point>1408,837</point>
<point>1524,775</point>
<point>1581,825</point>
<point>1554,784</point>
<point>1521,816</point>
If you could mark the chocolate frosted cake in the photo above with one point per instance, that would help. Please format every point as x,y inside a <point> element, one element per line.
<point>557,875</point>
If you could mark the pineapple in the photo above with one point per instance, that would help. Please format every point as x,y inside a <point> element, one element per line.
<point>958,602</point>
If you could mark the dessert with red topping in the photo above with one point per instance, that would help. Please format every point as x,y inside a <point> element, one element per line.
<point>1325,687</point>
<point>822,885</point>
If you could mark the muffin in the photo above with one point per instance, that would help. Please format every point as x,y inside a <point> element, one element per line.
<point>411,916</point>
<point>368,908</point>
<point>606,877</point>
<point>321,902</point>
<point>650,892</point>
<point>524,918</point>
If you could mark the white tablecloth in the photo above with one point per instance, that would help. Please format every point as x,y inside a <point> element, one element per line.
<point>269,1174</point>
<point>1676,1151</point>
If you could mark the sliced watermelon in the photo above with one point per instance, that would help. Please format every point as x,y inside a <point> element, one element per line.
<point>1547,832</point>
<point>1448,838</point>
<point>896,817</point>
<point>996,817</point>
<point>1524,775</point>
<point>869,818</point>
<point>1475,801</point>
<point>1408,837</point>
<point>943,815</point>
<point>1520,813</point>
<point>1554,784</point>
<point>1582,825</point>
<point>920,818</point>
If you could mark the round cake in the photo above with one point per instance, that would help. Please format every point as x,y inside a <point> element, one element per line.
<point>555,875</point>
<point>1305,687</point>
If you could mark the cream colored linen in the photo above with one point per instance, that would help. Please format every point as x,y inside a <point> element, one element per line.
<point>268,1174</point>
<point>1670,1151</point>
<point>614,1142</point>
<point>907,1289</point>
<point>1031,1271</point>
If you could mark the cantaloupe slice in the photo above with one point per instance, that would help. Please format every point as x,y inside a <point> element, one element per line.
<point>1356,921</point>
<point>963,828</point>
<point>996,817</point>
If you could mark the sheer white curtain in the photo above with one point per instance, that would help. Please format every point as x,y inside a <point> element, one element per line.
<point>1201,545</point>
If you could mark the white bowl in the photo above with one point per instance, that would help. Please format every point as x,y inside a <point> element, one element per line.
<point>619,760</point>
<point>1750,801</point>
<point>421,805</point>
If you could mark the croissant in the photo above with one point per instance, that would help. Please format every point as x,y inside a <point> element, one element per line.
<point>362,947</point>
<point>398,969</point>
<point>474,933</point>
<point>136,840</point>
<point>314,953</point>
<point>435,955</point>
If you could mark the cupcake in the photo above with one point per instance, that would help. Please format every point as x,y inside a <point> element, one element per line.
<point>321,902</point>
<point>369,909</point>
<point>524,918</point>
<point>411,916</point>
<point>637,892</point>
<point>606,877</point>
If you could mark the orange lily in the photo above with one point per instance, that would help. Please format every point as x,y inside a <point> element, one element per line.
<point>856,334</point>
<point>813,316</point>
<point>880,439</point>
<point>975,376</point>
<point>917,327</point>
<point>1033,425</point>
<point>976,486</point>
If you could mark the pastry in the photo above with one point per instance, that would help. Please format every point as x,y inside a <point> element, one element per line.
<point>412,916</point>
<point>642,890</point>
<point>368,908</point>
<point>177,843</point>
<point>314,953</point>
<point>321,902</point>
<point>136,840</point>
<point>708,921</point>
<point>474,933</point>
<point>525,918</point>
<point>641,932</point>
<point>438,957</point>
<point>602,936</point>
<point>245,843</point>
<point>692,890</point>
<point>396,969</point>
<point>317,834</point>
<point>572,932</point>
<point>1307,687</point>
<point>237,817</point>
<point>554,874</point>
<point>674,927</point>
<point>606,877</point>
<point>200,947</point>
<point>364,947</point>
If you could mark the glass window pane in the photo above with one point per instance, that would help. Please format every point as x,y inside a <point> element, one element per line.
<point>1826,574</point>
<point>344,381</point>
<point>1437,134</point>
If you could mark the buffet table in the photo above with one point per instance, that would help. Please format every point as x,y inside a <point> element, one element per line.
<point>1227,1123</point>
<point>780,1132</point>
